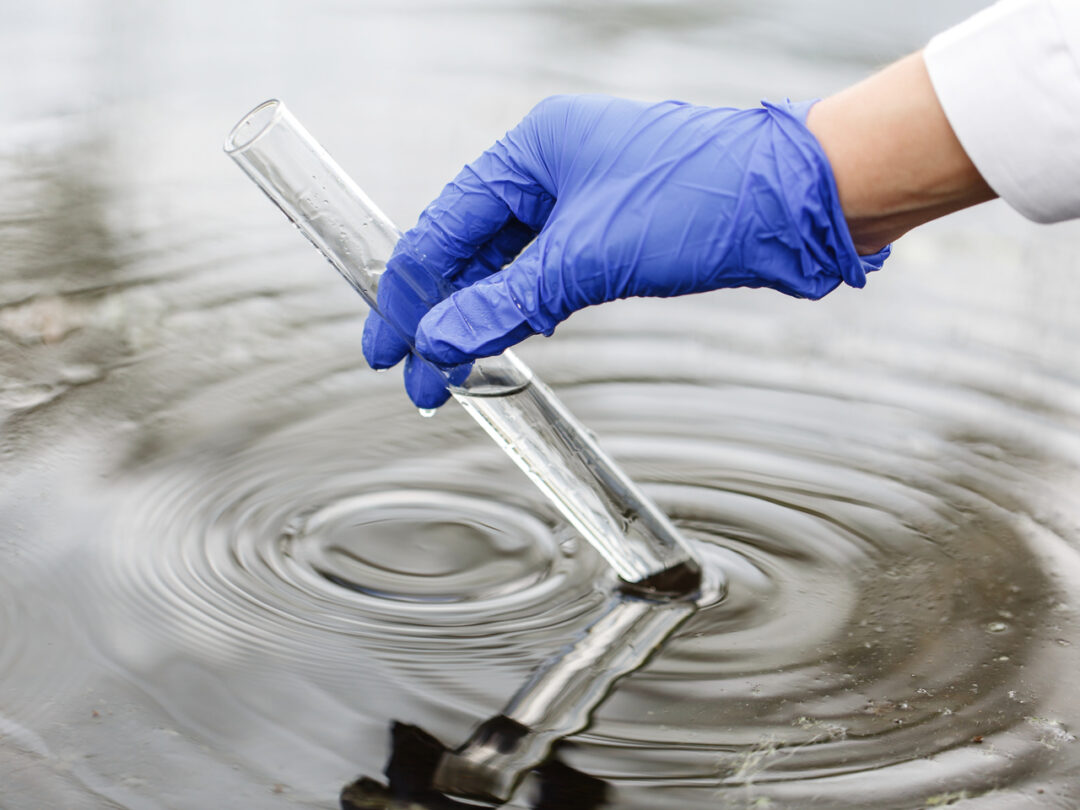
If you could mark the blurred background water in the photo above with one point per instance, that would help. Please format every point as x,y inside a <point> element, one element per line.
<point>231,556</point>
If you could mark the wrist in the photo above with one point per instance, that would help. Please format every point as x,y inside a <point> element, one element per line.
<point>894,156</point>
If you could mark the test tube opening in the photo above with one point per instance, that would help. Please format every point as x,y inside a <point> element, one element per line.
<point>253,125</point>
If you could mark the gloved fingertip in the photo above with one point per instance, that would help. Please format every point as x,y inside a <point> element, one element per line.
<point>382,346</point>
<point>425,386</point>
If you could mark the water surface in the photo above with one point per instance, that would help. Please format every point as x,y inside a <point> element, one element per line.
<point>231,556</point>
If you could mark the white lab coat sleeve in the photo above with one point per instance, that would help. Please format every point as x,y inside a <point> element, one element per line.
<point>1008,79</point>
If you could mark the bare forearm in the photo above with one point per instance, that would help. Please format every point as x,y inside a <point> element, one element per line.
<point>896,160</point>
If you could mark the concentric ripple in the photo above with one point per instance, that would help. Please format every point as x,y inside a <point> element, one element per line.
<point>284,543</point>
<point>420,547</point>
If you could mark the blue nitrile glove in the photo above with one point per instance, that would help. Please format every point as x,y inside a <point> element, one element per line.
<point>624,198</point>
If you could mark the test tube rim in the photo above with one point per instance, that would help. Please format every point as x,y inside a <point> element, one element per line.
<point>233,146</point>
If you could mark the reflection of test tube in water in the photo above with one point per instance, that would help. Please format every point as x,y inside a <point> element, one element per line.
<point>517,410</point>
<point>557,701</point>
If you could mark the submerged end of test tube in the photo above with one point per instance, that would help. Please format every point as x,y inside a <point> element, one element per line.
<point>253,126</point>
<point>681,581</point>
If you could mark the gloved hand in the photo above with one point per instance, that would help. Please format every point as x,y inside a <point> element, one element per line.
<point>618,198</point>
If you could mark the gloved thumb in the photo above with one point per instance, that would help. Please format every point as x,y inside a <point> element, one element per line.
<point>489,315</point>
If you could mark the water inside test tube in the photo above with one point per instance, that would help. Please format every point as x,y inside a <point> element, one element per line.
<point>563,461</point>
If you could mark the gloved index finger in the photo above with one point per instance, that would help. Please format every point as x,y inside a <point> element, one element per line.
<point>475,206</point>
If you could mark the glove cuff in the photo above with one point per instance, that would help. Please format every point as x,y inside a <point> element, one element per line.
<point>824,230</point>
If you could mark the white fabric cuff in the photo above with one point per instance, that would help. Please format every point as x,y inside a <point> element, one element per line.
<point>1008,79</point>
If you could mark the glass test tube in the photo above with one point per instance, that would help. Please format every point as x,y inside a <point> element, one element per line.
<point>517,410</point>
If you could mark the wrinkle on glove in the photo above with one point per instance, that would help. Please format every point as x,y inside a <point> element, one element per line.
<point>592,199</point>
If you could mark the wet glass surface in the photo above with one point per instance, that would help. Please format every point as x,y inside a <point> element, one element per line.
<point>231,556</point>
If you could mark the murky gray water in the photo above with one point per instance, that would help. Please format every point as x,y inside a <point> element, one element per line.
<point>231,556</point>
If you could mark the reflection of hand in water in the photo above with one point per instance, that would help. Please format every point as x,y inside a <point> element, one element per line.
<point>414,756</point>
<point>556,701</point>
<point>411,770</point>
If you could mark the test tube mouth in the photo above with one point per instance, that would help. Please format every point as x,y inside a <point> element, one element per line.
<point>253,126</point>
